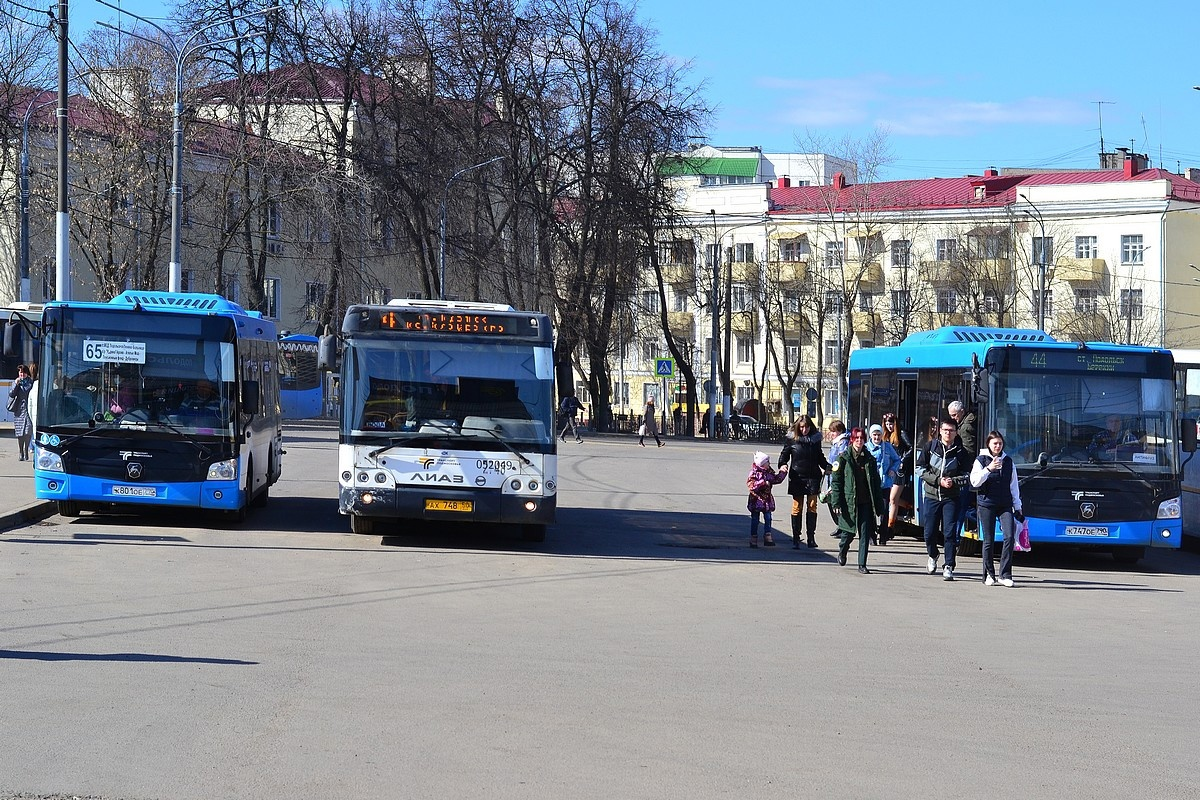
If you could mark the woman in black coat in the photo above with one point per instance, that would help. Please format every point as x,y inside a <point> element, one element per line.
<point>804,454</point>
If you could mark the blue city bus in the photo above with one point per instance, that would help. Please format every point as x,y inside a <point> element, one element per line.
<point>300,389</point>
<point>1187,371</point>
<point>19,326</point>
<point>157,399</point>
<point>1052,400</point>
<point>447,415</point>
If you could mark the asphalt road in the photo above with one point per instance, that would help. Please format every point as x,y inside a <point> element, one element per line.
<point>642,651</point>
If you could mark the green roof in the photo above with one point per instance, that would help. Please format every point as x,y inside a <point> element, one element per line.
<point>736,167</point>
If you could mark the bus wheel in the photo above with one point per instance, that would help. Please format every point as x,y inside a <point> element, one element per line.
<point>533,533</point>
<point>1128,555</point>
<point>363,525</point>
<point>68,508</point>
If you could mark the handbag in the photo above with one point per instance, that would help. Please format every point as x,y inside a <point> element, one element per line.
<point>13,402</point>
<point>1021,545</point>
<point>826,493</point>
<point>642,430</point>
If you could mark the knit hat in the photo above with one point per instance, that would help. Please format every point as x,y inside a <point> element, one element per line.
<point>874,428</point>
<point>761,459</point>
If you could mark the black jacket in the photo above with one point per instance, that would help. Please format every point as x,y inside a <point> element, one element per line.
<point>944,462</point>
<point>806,462</point>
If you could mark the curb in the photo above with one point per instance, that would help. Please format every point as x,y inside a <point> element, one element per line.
<point>34,512</point>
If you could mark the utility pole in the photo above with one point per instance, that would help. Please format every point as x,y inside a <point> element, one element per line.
<point>62,220</point>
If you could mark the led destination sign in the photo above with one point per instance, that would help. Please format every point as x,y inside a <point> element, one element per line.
<point>1124,363</point>
<point>473,323</point>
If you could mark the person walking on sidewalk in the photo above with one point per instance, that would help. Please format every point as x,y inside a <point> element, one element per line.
<point>998,495</point>
<point>649,424</point>
<point>806,464</point>
<point>857,496</point>
<point>947,468</point>
<point>888,462</point>
<point>18,404</point>
<point>568,408</point>
<point>760,481</point>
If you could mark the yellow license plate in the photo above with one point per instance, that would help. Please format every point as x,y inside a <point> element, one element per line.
<point>449,505</point>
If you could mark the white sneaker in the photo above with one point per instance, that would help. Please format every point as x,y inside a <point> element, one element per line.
<point>1006,582</point>
<point>947,574</point>
<point>989,581</point>
<point>931,567</point>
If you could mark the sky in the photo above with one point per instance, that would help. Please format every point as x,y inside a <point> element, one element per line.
<point>957,87</point>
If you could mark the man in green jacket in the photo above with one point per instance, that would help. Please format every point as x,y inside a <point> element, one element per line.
<point>857,497</point>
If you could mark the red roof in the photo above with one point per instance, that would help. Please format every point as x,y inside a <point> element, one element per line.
<point>933,193</point>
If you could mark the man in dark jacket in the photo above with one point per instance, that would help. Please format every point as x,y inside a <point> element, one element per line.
<point>947,467</point>
<point>568,408</point>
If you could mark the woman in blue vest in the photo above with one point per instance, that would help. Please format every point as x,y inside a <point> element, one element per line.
<point>998,497</point>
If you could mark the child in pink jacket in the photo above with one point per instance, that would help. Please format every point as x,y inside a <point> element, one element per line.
<point>760,480</point>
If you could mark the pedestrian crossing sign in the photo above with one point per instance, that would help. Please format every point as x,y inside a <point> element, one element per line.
<point>664,368</point>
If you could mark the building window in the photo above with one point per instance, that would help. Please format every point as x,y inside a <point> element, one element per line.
<point>1132,249</point>
<point>649,351</point>
<point>314,293</point>
<point>1043,250</point>
<point>678,301</point>
<point>233,211</point>
<point>379,295</point>
<point>833,351</point>
<point>947,301</point>
<point>1048,299</point>
<point>739,298</point>
<point>990,303</point>
<point>833,301</point>
<point>866,344</point>
<point>1085,247</point>
<point>677,251</point>
<point>791,354</point>
<point>1087,301</point>
<point>745,349</point>
<point>271,296</point>
<point>791,302</point>
<point>743,253</point>
<point>901,250</point>
<point>868,247</point>
<point>946,249</point>
<point>187,280</point>
<point>901,301</point>
<point>993,245</point>
<point>231,287</point>
<point>866,301</point>
<point>793,249</point>
<point>620,394</point>
<point>833,254</point>
<point>650,301</point>
<point>1131,303</point>
<point>744,393</point>
<point>274,227</point>
<point>185,206</point>
<point>831,402</point>
<point>713,254</point>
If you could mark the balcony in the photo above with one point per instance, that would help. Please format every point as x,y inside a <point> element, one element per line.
<point>1081,271</point>
<point>679,274</point>
<point>682,324</point>
<point>869,274</point>
<point>745,272</point>
<point>938,273</point>
<point>866,323</point>
<point>743,321</point>
<point>943,319</point>
<point>994,270</point>
<point>797,326</point>
<point>790,273</point>
<point>1081,326</point>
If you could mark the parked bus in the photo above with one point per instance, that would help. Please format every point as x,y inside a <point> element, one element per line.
<point>1187,371</point>
<point>19,326</point>
<point>1055,402</point>
<point>157,399</point>
<point>447,414</point>
<point>300,389</point>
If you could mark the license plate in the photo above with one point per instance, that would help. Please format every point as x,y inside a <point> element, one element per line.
<point>450,505</point>
<point>135,491</point>
<point>1085,530</point>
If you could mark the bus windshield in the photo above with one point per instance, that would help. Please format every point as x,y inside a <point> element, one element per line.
<point>1122,421</point>
<point>421,387</point>
<point>138,371</point>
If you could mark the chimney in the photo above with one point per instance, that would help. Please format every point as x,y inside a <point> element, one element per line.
<point>784,182</point>
<point>839,180</point>
<point>1131,166</point>
<point>991,172</point>
<point>1192,174</point>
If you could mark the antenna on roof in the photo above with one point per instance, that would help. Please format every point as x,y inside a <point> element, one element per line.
<point>1100,114</point>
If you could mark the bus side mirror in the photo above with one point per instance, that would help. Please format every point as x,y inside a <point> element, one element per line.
<point>251,397</point>
<point>1187,435</point>
<point>982,382</point>
<point>327,355</point>
<point>12,339</point>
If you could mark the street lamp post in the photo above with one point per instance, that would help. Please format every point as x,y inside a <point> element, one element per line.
<point>24,190</point>
<point>1041,305</point>
<point>180,54</point>
<point>716,333</point>
<point>442,222</point>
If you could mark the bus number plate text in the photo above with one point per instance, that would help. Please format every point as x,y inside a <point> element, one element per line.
<point>1085,530</point>
<point>135,491</point>
<point>449,505</point>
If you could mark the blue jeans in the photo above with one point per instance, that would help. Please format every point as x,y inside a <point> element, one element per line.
<point>987,529</point>
<point>944,513</point>
<point>754,522</point>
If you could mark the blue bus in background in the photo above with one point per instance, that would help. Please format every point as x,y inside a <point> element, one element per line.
<point>157,399</point>
<point>1052,400</point>
<point>1187,371</point>
<point>300,387</point>
<point>20,324</point>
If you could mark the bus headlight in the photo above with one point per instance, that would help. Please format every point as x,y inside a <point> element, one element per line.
<point>1169,509</point>
<point>223,470</point>
<point>51,462</point>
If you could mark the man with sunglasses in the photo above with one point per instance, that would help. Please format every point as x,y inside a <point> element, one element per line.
<point>947,468</point>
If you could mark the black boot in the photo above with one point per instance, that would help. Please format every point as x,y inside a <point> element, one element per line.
<point>883,534</point>
<point>810,525</point>
<point>795,531</point>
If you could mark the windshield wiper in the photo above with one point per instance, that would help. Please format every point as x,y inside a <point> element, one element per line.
<point>111,425</point>
<point>502,441</point>
<point>400,441</point>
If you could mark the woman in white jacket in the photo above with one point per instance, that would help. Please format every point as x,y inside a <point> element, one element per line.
<point>998,497</point>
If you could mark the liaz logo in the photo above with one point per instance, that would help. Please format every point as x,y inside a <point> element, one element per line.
<point>433,477</point>
<point>426,462</point>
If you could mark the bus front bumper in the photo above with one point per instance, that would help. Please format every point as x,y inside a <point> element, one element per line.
<point>389,503</point>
